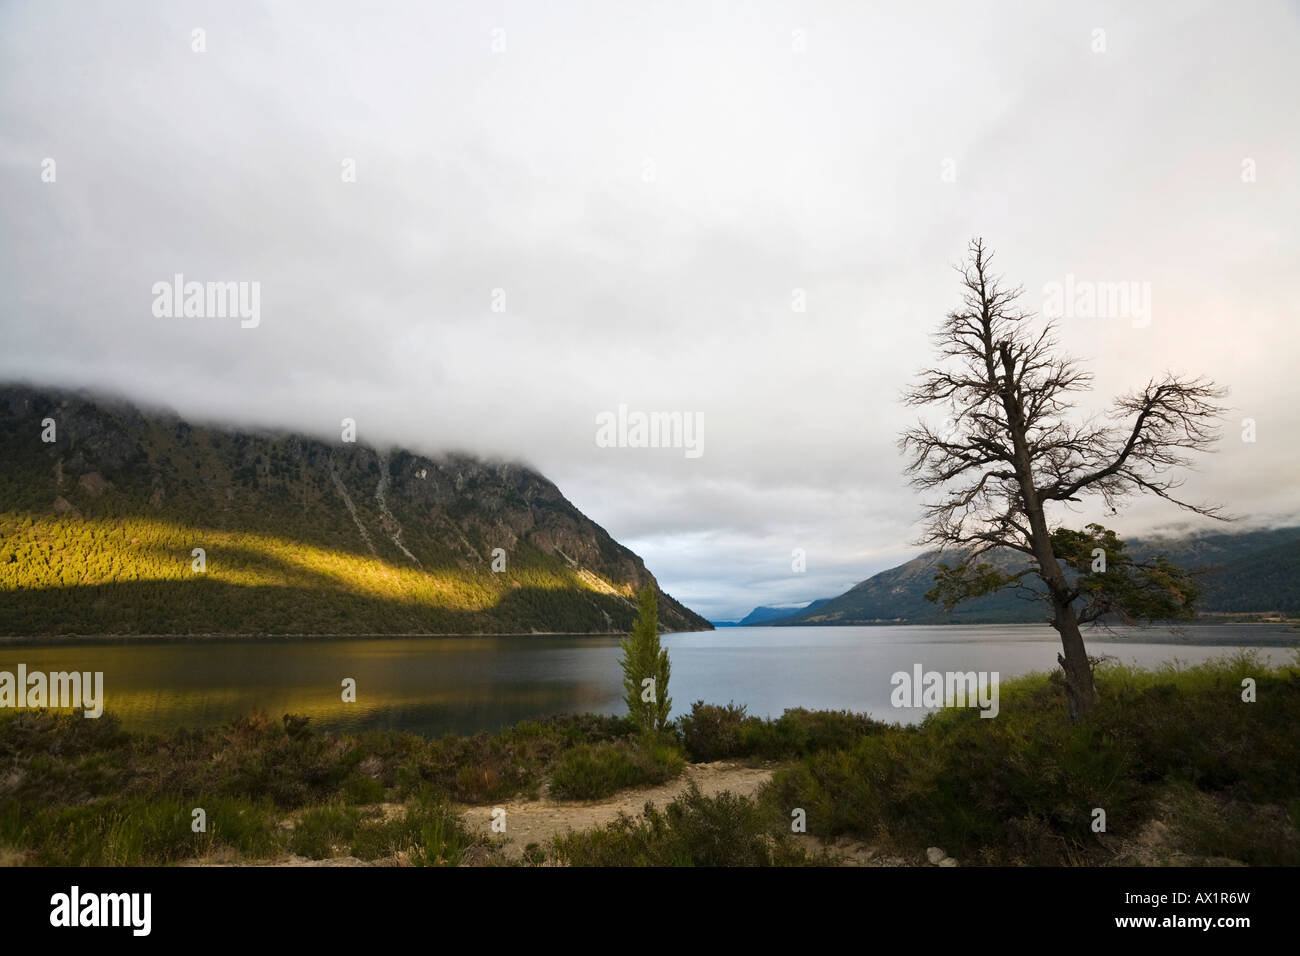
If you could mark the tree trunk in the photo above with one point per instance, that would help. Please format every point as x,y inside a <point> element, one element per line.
<point>1080,690</point>
<point>1079,687</point>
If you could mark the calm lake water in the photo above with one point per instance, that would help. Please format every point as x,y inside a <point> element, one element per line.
<point>467,684</point>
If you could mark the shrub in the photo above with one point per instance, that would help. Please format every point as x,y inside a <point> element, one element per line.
<point>694,830</point>
<point>1220,827</point>
<point>428,834</point>
<point>799,732</point>
<point>134,831</point>
<point>319,833</point>
<point>589,772</point>
<point>710,732</point>
<point>1020,788</point>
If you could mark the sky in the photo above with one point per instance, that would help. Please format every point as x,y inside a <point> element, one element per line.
<point>484,226</point>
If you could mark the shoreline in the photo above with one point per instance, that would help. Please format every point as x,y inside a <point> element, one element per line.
<point>12,640</point>
<point>1145,635</point>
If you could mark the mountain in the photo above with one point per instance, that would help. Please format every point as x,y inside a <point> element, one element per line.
<point>1247,572</point>
<point>762,615</point>
<point>300,536</point>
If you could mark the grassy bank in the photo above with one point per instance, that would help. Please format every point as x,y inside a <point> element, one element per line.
<point>1184,770</point>
<point>77,791</point>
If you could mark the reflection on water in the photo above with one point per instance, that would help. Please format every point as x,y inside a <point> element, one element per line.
<point>467,684</point>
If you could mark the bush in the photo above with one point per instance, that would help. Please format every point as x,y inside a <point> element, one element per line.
<point>426,833</point>
<point>135,831</point>
<point>1021,788</point>
<point>319,833</point>
<point>589,772</point>
<point>799,732</point>
<point>711,732</point>
<point>694,830</point>
<point>1219,828</point>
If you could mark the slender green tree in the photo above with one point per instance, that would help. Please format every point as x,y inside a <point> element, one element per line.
<point>645,668</point>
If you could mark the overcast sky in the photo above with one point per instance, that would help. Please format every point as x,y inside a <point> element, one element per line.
<point>650,184</point>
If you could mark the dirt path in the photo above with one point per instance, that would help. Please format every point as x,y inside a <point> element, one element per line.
<point>537,821</point>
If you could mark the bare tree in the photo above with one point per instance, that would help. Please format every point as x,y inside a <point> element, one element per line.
<point>1008,448</point>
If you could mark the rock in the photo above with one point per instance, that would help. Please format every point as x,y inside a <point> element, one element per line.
<point>947,861</point>
<point>1155,833</point>
<point>93,483</point>
<point>934,855</point>
<point>62,506</point>
<point>476,856</point>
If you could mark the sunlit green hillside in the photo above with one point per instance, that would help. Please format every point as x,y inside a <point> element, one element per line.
<point>98,531</point>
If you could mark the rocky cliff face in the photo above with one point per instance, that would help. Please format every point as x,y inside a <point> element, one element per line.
<point>299,535</point>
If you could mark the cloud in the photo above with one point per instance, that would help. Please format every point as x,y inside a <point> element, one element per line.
<point>650,193</point>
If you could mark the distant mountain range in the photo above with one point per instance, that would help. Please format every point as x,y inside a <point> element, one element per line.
<point>99,526</point>
<point>765,615</point>
<point>1253,573</point>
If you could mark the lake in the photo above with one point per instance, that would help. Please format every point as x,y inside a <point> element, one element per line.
<point>436,685</point>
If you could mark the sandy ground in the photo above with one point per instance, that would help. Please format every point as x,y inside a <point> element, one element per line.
<point>537,821</point>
